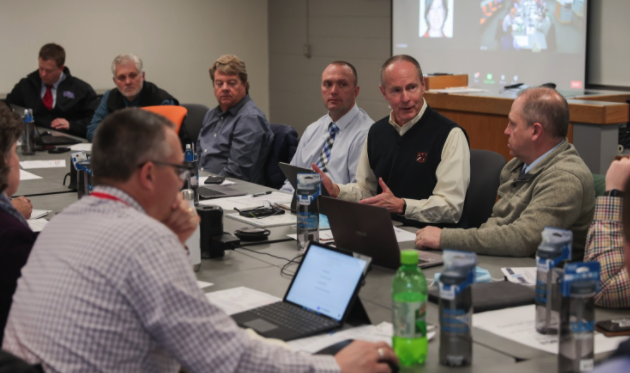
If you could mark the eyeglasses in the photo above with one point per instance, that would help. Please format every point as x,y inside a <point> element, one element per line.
<point>183,170</point>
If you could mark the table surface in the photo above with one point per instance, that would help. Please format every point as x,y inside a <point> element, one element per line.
<point>258,266</point>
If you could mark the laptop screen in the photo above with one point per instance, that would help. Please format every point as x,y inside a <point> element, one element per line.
<point>326,281</point>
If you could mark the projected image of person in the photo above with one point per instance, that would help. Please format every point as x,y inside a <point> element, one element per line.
<point>436,18</point>
<point>539,26</point>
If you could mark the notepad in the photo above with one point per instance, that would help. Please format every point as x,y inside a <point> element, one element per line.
<point>36,214</point>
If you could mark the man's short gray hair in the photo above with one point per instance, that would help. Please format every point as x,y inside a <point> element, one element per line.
<point>126,139</point>
<point>121,58</point>
<point>547,107</point>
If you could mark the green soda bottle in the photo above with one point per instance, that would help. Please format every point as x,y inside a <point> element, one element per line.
<point>409,295</point>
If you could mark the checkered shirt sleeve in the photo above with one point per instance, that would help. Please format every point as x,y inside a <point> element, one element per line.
<point>605,244</point>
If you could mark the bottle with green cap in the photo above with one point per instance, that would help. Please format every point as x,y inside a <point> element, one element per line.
<point>409,296</point>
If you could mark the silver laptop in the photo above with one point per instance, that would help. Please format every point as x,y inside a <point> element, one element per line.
<point>290,172</point>
<point>368,230</point>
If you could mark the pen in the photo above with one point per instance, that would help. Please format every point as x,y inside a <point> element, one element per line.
<point>261,194</point>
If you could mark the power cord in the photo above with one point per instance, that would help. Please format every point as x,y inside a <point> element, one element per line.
<point>258,252</point>
<point>283,270</point>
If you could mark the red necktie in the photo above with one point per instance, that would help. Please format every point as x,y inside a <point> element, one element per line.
<point>48,98</point>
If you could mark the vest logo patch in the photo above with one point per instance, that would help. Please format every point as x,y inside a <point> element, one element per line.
<point>421,157</point>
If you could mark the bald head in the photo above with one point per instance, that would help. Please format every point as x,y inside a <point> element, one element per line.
<point>547,107</point>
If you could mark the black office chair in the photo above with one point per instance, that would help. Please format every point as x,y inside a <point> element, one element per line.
<point>194,120</point>
<point>285,143</point>
<point>485,170</point>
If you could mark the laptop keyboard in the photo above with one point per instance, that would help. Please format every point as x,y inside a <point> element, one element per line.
<point>207,193</point>
<point>294,318</point>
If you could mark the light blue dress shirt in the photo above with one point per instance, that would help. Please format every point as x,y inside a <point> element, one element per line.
<point>346,151</point>
<point>528,168</point>
<point>53,89</point>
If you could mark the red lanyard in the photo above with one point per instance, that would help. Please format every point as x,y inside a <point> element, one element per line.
<point>107,196</point>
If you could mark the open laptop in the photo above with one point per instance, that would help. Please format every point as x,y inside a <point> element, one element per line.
<point>290,172</point>
<point>319,299</point>
<point>368,230</point>
<point>46,139</point>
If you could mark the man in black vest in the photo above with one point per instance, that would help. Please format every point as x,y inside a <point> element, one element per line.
<point>415,162</point>
<point>132,91</point>
<point>59,100</point>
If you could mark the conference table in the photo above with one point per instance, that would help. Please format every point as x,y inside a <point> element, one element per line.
<point>258,266</point>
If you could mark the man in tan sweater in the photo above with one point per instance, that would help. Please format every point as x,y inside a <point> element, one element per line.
<point>545,184</point>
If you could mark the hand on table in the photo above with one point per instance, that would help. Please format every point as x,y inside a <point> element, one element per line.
<point>23,205</point>
<point>183,219</point>
<point>361,356</point>
<point>386,199</point>
<point>60,124</point>
<point>428,237</point>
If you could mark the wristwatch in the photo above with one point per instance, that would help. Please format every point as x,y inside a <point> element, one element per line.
<point>404,208</point>
<point>614,193</point>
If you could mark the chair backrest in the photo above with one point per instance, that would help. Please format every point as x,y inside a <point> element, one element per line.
<point>174,113</point>
<point>485,171</point>
<point>285,143</point>
<point>194,119</point>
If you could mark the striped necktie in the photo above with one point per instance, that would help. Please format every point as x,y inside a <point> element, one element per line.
<point>324,156</point>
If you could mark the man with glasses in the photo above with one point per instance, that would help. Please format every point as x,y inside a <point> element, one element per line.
<point>132,91</point>
<point>119,295</point>
<point>235,138</point>
<point>59,100</point>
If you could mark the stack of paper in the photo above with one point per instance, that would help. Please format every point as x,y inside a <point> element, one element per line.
<point>36,214</point>
<point>43,164</point>
<point>25,175</point>
<point>247,202</point>
<point>267,221</point>
<point>37,225</point>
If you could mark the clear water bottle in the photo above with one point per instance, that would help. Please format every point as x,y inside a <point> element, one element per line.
<point>456,311</point>
<point>576,350</point>
<point>409,296</point>
<point>192,182</point>
<point>552,253</point>
<point>28,148</point>
<point>308,186</point>
<point>193,243</point>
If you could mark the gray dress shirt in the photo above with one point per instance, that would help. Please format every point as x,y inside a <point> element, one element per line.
<point>119,295</point>
<point>235,143</point>
<point>346,151</point>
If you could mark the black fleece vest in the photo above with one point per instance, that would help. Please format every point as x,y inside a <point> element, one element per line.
<point>150,95</point>
<point>408,163</point>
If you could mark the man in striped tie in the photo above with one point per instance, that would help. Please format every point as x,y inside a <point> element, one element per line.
<point>334,141</point>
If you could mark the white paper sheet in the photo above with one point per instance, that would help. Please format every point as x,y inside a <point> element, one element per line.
<point>370,333</point>
<point>518,324</point>
<point>37,225</point>
<point>36,214</point>
<point>457,90</point>
<point>521,275</point>
<point>25,175</point>
<point>325,236</point>
<point>245,202</point>
<point>27,165</point>
<point>83,147</point>
<point>202,179</point>
<point>240,299</point>
<point>203,284</point>
<point>404,236</point>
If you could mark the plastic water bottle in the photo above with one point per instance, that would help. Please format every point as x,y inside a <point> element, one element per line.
<point>193,179</point>
<point>576,350</point>
<point>308,186</point>
<point>409,296</point>
<point>553,251</point>
<point>193,243</point>
<point>28,148</point>
<point>455,318</point>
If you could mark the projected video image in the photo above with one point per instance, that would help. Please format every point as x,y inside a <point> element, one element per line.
<point>533,25</point>
<point>436,18</point>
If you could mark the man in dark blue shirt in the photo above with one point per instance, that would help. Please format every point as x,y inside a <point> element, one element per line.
<point>235,138</point>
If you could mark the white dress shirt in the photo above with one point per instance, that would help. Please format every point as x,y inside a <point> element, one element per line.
<point>345,153</point>
<point>446,204</point>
